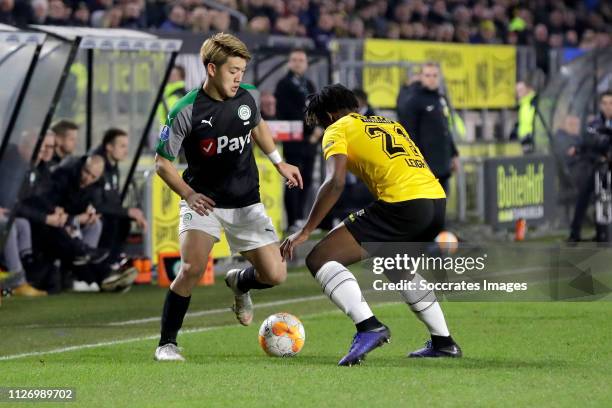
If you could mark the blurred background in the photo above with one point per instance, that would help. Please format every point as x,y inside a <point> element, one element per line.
<point>522,147</point>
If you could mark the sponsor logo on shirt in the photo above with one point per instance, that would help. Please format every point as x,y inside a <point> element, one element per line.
<point>210,147</point>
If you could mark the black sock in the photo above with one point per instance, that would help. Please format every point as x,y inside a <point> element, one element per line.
<point>175,308</point>
<point>247,280</point>
<point>441,341</point>
<point>369,324</point>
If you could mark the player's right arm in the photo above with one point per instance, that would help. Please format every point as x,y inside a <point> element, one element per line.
<point>178,126</point>
<point>196,201</point>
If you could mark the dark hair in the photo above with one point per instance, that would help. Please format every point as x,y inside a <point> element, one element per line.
<point>111,134</point>
<point>62,126</point>
<point>604,94</point>
<point>360,94</point>
<point>298,49</point>
<point>332,98</point>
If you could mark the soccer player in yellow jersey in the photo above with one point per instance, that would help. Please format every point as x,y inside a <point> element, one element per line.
<point>409,207</point>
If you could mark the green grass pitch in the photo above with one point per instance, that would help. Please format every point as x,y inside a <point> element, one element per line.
<point>516,354</point>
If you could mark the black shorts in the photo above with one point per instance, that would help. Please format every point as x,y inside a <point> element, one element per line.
<point>419,220</point>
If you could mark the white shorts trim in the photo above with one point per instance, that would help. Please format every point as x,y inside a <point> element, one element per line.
<point>245,228</point>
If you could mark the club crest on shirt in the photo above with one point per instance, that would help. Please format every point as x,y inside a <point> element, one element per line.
<point>165,134</point>
<point>244,112</point>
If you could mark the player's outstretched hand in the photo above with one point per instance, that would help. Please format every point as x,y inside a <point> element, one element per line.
<point>200,203</point>
<point>291,173</point>
<point>291,242</point>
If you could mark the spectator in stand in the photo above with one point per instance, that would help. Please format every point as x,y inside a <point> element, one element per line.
<point>66,138</point>
<point>40,11</point>
<point>291,93</point>
<point>199,20</point>
<point>259,25</point>
<point>567,139</point>
<point>527,100</point>
<point>220,21</point>
<point>14,12</point>
<point>427,122</point>
<point>18,244</point>
<point>112,18</point>
<point>483,22</point>
<point>594,149</point>
<point>28,208</point>
<point>81,16</point>
<point>542,47</point>
<point>410,87</point>
<point>174,91</point>
<point>116,218</point>
<point>267,102</point>
<point>324,31</point>
<point>176,20</point>
<point>133,16</point>
<point>59,13</point>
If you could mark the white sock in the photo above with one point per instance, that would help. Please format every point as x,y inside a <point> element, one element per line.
<point>426,307</point>
<point>340,285</point>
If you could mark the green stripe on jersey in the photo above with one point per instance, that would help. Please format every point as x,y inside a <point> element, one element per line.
<point>186,100</point>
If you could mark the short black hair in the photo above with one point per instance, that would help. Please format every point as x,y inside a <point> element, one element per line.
<point>604,94</point>
<point>62,126</point>
<point>332,98</point>
<point>111,134</point>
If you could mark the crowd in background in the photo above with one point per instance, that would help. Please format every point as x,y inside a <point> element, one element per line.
<point>542,23</point>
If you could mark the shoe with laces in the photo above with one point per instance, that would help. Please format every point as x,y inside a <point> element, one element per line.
<point>243,305</point>
<point>120,281</point>
<point>28,290</point>
<point>168,352</point>
<point>363,343</point>
<point>430,351</point>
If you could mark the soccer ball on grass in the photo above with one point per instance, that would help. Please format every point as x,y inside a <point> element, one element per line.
<point>282,335</point>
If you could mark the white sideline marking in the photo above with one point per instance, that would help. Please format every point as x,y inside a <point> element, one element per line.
<point>221,310</point>
<point>104,343</point>
<point>153,337</point>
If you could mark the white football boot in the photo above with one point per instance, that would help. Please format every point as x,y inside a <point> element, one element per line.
<point>243,306</point>
<point>168,352</point>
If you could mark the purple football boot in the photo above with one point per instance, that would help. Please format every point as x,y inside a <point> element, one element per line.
<point>452,350</point>
<point>363,343</point>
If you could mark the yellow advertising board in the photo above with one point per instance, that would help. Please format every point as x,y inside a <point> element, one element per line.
<point>165,209</point>
<point>477,76</point>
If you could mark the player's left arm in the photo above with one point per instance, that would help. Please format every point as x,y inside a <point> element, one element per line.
<point>263,137</point>
<point>328,195</point>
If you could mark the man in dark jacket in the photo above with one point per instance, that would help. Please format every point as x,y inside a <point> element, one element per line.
<point>595,148</point>
<point>116,217</point>
<point>406,92</point>
<point>291,93</point>
<point>426,120</point>
<point>37,183</point>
